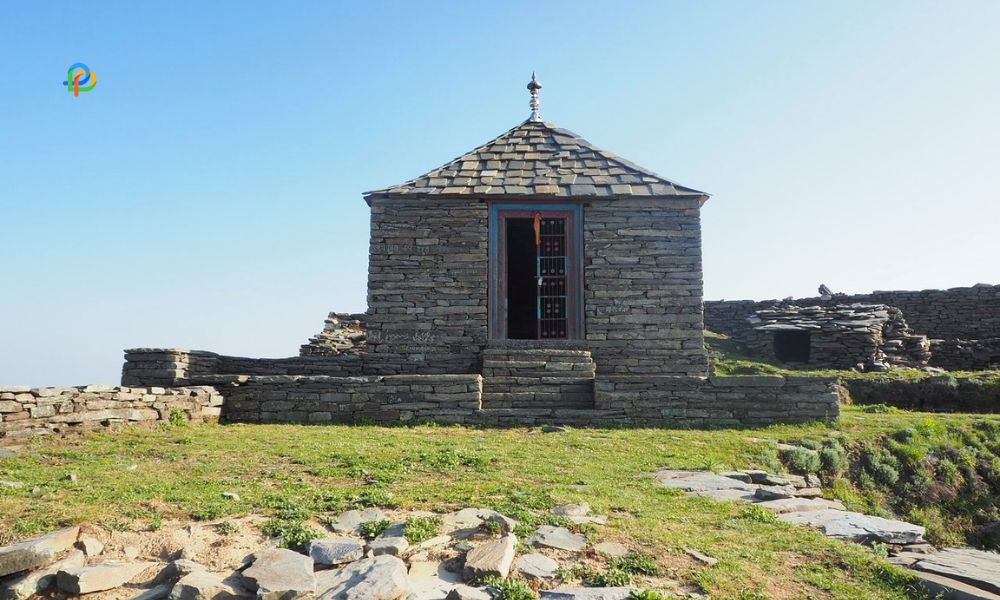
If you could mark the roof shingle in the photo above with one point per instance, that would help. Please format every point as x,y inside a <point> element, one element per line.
<point>538,160</point>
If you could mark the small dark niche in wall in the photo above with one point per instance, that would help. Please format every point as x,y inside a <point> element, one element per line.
<point>791,346</point>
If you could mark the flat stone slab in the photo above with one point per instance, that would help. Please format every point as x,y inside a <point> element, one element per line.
<point>203,585</point>
<point>559,538</point>
<point>351,521</point>
<point>281,574</point>
<point>856,526</point>
<point>952,589</point>
<point>726,495</point>
<point>464,523</point>
<point>572,510</point>
<point>335,551</point>
<point>975,567</point>
<point>699,481</point>
<point>467,592</point>
<point>378,578</point>
<point>37,551</point>
<point>102,576</point>
<point>388,545</point>
<point>787,505</point>
<point>774,492</point>
<point>587,593</point>
<point>537,566</point>
<point>612,549</point>
<point>429,580</point>
<point>490,558</point>
<point>40,580</point>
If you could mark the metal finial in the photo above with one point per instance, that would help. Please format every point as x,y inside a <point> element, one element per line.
<point>533,87</point>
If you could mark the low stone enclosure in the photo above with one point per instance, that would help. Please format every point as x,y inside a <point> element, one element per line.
<point>656,401</point>
<point>962,326</point>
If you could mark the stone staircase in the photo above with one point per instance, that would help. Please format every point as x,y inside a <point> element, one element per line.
<point>537,378</point>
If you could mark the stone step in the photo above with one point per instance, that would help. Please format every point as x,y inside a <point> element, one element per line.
<point>538,400</point>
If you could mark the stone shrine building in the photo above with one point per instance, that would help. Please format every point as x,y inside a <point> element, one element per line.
<point>534,279</point>
<point>536,239</point>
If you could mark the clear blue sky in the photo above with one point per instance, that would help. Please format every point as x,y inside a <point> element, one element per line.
<point>207,193</point>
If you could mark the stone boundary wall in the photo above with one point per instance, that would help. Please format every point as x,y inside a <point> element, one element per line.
<point>27,412</point>
<point>621,400</point>
<point>932,394</point>
<point>379,399</point>
<point>966,354</point>
<point>720,401</point>
<point>969,313</point>
<point>168,367</point>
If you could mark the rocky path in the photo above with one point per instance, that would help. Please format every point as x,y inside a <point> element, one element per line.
<point>364,555</point>
<point>961,573</point>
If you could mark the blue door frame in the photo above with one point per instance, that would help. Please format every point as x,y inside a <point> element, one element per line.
<point>497,275</point>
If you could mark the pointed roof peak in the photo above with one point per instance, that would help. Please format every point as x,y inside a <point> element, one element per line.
<point>537,159</point>
<point>533,86</point>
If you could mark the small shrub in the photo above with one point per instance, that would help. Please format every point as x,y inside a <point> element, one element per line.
<point>637,564</point>
<point>375,497</point>
<point>767,459</point>
<point>907,434</point>
<point>372,529</point>
<point>648,595</point>
<point>811,444</point>
<point>833,461</point>
<point>492,527</point>
<point>801,460</point>
<point>879,409</point>
<point>420,529</point>
<point>880,550</point>
<point>508,589</point>
<point>227,528</point>
<point>209,511</point>
<point>178,417</point>
<point>294,535</point>
<point>881,466</point>
<point>610,578</point>
<point>757,514</point>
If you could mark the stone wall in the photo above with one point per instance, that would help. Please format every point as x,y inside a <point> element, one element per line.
<point>343,333</point>
<point>427,285</point>
<point>956,313</point>
<point>720,401</point>
<point>378,399</point>
<point>941,393</point>
<point>177,367</point>
<point>966,354</point>
<point>643,286</point>
<point>26,412</point>
<point>862,336</point>
<point>968,314</point>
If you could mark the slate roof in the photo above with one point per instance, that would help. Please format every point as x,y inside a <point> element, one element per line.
<point>538,160</point>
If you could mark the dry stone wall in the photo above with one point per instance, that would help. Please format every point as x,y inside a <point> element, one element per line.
<point>27,412</point>
<point>343,333</point>
<point>963,323</point>
<point>620,400</point>
<point>177,367</point>
<point>720,401</point>
<point>643,286</point>
<point>378,399</point>
<point>427,285</point>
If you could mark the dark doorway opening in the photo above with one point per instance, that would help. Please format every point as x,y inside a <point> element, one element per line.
<point>522,284</point>
<point>791,346</point>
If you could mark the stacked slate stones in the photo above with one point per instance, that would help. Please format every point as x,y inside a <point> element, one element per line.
<point>342,333</point>
<point>864,336</point>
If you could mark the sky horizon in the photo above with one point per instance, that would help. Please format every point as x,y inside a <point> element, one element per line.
<point>207,193</point>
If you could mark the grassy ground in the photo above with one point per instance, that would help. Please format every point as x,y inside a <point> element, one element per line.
<point>137,478</point>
